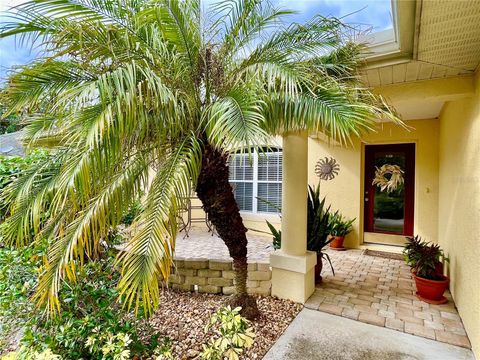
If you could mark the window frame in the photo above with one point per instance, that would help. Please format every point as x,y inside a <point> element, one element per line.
<point>255,181</point>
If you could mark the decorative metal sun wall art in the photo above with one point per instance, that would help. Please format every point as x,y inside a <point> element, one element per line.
<point>388,177</point>
<point>327,168</point>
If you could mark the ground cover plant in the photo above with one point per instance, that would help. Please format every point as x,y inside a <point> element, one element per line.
<point>91,324</point>
<point>127,86</point>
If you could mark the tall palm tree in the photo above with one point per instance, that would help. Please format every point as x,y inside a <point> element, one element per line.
<point>127,86</point>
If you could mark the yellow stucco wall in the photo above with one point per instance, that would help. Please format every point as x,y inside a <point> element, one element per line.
<point>345,191</point>
<point>459,206</point>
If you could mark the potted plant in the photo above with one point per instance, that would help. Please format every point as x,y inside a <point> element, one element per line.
<point>317,230</point>
<point>339,228</point>
<point>426,260</point>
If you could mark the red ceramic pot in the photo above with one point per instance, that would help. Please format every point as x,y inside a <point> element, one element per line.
<point>431,291</point>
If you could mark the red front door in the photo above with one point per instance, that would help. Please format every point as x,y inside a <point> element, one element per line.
<point>389,204</point>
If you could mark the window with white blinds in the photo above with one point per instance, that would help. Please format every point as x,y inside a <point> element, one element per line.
<point>257,181</point>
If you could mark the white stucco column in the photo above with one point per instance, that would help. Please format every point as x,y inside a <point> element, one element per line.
<point>293,266</point>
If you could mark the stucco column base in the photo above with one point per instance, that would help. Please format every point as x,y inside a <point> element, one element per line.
<point>293,276</point>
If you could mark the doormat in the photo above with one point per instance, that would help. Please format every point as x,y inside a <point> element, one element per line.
<point>384,254</point>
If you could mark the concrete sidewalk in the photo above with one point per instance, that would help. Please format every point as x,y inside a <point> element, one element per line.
<point>314,335</point>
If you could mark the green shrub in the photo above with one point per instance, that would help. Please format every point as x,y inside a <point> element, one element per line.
<point>18,278</point>
<point>233,335</point>
<point>91,324</point>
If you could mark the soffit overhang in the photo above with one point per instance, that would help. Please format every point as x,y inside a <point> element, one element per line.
<point>443,43</point>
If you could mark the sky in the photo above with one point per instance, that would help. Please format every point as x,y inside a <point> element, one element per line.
<point>368,13</point>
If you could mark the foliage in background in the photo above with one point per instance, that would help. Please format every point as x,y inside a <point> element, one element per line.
<point>8,123</point>
<point>339,225</point>
<point>233,334</point>
<point>132,213</point>
<point>11,167</point>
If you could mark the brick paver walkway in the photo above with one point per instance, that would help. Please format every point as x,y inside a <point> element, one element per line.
<point>381,292</point>
<point>201,244</point>
<point>365,288</point>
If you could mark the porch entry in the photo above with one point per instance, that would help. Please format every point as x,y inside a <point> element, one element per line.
<point>389,193</point>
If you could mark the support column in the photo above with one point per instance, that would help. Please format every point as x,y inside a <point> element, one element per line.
<point>293,266</point>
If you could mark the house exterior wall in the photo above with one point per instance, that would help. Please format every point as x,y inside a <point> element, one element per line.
<point>345,192</point>
<point>459,206</point>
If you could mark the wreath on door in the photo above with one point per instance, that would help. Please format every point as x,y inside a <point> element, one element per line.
<point>388,177</point>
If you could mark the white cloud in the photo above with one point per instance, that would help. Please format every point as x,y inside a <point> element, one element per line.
<point>7,4</point>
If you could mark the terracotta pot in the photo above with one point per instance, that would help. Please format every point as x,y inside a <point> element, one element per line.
<point>431,291</point>
<point>318,268</point>
<point>337,243</point>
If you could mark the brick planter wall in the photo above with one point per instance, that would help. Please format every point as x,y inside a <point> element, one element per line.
<point>216,276</point>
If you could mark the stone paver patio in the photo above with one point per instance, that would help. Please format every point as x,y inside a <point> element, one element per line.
<point>381,292</point>
<point>368,289</point>
<point>202,244</point>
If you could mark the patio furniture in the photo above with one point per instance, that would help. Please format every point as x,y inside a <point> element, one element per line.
<point>186,224</point>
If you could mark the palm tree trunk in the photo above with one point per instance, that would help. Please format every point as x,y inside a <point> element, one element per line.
<point>216,195</point>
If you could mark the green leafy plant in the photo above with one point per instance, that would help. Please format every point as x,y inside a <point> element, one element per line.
<point>25,353</point>
<point>233,334</point>
<point>109,346</point>
<point>339,225</point>
<point>164,350</point>
<point>19,270</point>
<point>426,259</point>
<point>317,221</point>
<point>277,236</point>
<point>411,250</point>
<point>318,229</point>
<point>92,323</point>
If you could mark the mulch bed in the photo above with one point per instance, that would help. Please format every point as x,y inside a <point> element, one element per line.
<point>182,317</point>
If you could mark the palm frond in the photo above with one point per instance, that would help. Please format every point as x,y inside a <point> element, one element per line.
<point>81,234</point>
<point>235,120</point>
<point>148,256</point>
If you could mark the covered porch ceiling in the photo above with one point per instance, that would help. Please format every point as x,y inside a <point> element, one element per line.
<point>434,39</point>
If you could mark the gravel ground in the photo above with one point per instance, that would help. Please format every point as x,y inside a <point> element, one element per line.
<point>183,316</point>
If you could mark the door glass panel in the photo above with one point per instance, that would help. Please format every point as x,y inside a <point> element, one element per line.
<point>389,197</point>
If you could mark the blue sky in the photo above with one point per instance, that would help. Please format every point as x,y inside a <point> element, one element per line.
<point>369,13</point>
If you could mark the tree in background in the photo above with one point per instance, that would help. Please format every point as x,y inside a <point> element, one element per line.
<point>130,85</point>
<point>8,123</point>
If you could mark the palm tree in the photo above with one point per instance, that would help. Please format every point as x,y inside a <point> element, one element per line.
<point>129,86</point>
